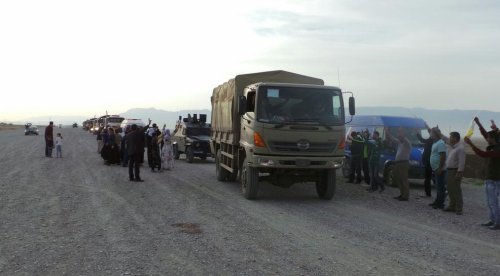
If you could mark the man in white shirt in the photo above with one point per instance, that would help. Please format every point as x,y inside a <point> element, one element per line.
<point>401,162</point>
<point>455,164</point>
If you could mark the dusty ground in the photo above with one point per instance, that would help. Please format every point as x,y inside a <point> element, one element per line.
<point>75,216</point>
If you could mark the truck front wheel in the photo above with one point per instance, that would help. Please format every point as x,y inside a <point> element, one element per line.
<point>326,185</point>
<point>220,172</point>
<point>249,181</point>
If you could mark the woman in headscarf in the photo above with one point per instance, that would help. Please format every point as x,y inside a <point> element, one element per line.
<point>155,150</point>
<point>167,153</point>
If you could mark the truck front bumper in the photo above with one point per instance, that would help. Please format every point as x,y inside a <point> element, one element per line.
<point>295,162</point>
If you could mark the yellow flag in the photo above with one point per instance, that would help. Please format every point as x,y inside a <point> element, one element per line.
<point>470,130</point>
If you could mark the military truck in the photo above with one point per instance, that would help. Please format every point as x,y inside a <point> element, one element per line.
<point>281,127</point>
<point>191,136</point>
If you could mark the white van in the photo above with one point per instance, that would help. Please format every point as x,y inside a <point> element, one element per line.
<point>128,122</point>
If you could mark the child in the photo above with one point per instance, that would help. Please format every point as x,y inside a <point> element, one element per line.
<point>59,145</point>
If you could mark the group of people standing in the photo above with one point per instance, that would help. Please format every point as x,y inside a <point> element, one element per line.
<point>444,161</point>
<point>129,149</point>
<point>365,156</point>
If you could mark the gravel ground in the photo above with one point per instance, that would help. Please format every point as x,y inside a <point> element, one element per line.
<point>75,216</point>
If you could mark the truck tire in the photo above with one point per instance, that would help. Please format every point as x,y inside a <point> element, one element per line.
<point>249,181</point>
<point>189,155</point>
<point>220,172</point>
<point>177,154</point>
<point>326,184</point>
<point>388,175</point>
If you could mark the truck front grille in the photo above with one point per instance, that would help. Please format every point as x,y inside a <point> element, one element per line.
<point>293,147</point>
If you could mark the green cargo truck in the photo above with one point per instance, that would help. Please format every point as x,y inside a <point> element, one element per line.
<point>280,127</point>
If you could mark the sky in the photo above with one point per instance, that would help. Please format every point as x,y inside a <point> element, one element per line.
<point>88,57</point>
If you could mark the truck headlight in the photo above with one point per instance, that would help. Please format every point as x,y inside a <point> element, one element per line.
<point>336,163</point>
<point>266,162</point>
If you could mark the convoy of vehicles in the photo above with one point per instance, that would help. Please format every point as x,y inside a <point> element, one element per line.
<point>192,137</point>
<point>278,126</point>
<point>392,123</point>
<point>281,127</point>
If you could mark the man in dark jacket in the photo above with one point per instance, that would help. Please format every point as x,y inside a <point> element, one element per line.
<point>134,142</point>
<point>357,147</point>
<point>492,181</point>
<point>49,139</point>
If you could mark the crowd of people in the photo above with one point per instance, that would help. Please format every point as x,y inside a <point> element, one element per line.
<point>444,163</point>
<point>128,150</point>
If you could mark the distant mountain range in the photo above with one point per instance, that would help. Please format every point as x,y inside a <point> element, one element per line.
<point>448,120</point>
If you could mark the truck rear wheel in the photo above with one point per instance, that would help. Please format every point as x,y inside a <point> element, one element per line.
<point>220,172</point>
<point>249,181</point>
<point>326,185</point>
<point>189,155</point>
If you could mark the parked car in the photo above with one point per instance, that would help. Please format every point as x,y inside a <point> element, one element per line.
<point>392,123</point>
<point>75,125</point>
<point>30,129</point>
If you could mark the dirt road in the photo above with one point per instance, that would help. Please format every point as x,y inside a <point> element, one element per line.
<point>76,216</point>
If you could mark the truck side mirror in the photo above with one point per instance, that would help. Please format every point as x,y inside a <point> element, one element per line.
<point>242,105</point>
<point>352,106</point>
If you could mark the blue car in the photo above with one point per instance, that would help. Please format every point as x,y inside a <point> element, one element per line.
<point>388,152</point>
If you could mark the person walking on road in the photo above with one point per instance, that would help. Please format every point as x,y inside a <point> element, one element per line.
<point>155,150</point>
<point>438,165</point>
<point>135,147</point>
<point>365,163</point>
<point>455,165</point>
<point>167,151</point>
<point>374,149</point>
<point>149,132</point>
<point>59,143</point>
<point>426,155</point>
<point>49,139</point>
<point>492,181</point>
<point>401,162</point>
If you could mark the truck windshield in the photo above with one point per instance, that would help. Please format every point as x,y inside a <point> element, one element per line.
<point>197,131</point>
<point>299,105</point>
<point>115,120</point>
